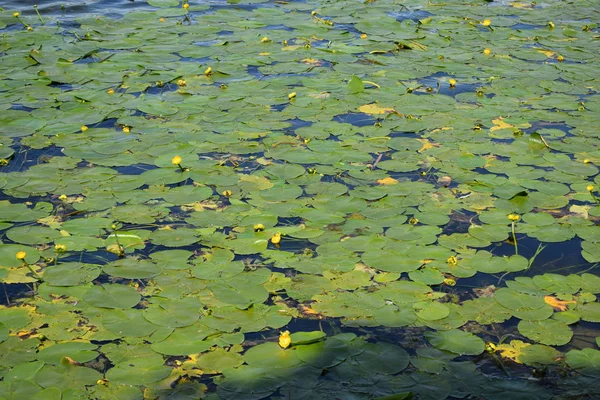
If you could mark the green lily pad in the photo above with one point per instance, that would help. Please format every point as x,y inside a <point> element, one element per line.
<point>430,310</point>
<point>112,296</point>
<point>586,360</point>
<point>174,313</point>
<point>71,274</point>
<point>79,351</point>
<point>382,358</point>
<point>456,341</point>
<point>550,332</point>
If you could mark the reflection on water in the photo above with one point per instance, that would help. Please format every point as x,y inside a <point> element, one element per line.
<point>71,9</point>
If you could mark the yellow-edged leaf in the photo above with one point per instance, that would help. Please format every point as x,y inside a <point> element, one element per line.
<point>512,350</point>
<point>374,109</point>
<point>387,181</point>
<point>500,124</point>
<point>427,145</point>
<point>558,305</point>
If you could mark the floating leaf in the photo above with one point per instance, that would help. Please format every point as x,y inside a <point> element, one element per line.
<point>558,305</point>
<point>355,85</point>
<point>374,109</point>
<point>112,296</point>
<point>548,331</point>
<point>456,341</point>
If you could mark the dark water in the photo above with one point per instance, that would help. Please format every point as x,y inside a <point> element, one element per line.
<point>73,9</point>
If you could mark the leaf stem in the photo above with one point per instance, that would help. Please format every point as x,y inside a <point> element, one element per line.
<point>38,276</point>
<point>38,13</point>
<point>514,236</point>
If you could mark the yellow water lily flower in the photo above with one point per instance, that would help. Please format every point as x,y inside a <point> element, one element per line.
<point>452,261</point>
<point>259,228</point>
<point>450,281</point>
<point>284,339</point>
<point>276,238</point>
<point>21,255</point>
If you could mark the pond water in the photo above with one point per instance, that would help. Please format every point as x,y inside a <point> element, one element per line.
<point>298,200</point>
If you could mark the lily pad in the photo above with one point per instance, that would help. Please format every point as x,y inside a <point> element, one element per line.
<point>456,341</point>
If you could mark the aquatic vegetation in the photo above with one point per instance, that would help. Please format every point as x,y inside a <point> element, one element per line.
<point>263,199</point>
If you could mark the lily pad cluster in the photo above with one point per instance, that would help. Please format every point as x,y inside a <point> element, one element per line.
<point>180,185</point>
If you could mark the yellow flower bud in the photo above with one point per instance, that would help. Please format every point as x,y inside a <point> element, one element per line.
<point>490,347</point>
<point>21,255</point>
<point>514,217</point>
<point>176,160</point>
<point>285,340</point>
